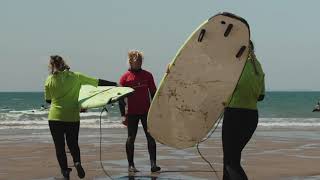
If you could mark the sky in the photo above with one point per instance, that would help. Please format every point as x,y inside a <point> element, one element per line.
<point>94,37</point>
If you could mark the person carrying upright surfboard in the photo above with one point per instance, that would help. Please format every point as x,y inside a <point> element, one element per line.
<point>137,107</point>
<point>241,116</point>
<point>62,89</point>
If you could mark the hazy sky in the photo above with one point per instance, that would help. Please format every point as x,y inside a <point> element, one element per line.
<point>94,37</point>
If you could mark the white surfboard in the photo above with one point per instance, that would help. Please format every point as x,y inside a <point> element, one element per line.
<point>94,97</point>
<point>202,77</point>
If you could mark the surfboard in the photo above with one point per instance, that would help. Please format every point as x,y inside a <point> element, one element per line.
<point>95,97</point>
<point>202,77</point>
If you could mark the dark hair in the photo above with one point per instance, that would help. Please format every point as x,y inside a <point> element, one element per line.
<point>57,64</point>
<point>231,15</point>
<point>253,57</point>
<point>251,45</point>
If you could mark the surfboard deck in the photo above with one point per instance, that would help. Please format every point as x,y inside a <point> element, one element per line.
<point>94,97</point>
<point>202,77</point>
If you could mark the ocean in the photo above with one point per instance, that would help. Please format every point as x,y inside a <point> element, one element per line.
<point>287,132</point>
<point>22,110</point>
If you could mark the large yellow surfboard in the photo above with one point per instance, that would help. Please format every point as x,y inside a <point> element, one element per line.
<point>95,97</point>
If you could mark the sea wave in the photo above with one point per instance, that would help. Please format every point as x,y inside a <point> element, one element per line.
<point>38,119</point>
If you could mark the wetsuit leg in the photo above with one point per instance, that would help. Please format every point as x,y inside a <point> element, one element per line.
<point>151,142</point>
<point>72,134</point>
<point>133,121</point>
<point>237,129</point>
<point>57,130</point>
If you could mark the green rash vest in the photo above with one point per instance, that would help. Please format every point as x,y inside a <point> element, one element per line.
<point>249,87</point>
<point>63,90</point>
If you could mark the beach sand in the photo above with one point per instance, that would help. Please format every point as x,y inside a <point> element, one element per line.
<point>271,154</point>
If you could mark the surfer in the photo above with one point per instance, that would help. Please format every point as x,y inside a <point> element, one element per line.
<point>62,89</point>
<point>241,115</point>
<point>137,107</point>
<point>43,107</point>
<point>316,107</point>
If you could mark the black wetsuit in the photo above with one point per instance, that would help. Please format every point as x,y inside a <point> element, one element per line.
<point>237,128</point>
<point>69,131</point>
<point>133,121</point>
<point>132,127</point>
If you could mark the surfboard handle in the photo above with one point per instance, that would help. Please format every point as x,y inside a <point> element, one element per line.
<point>228,30</point>
<point>240,52</point>
<point>203,31</point>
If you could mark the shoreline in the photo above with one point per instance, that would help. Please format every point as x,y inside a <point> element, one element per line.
<point>269,155</point>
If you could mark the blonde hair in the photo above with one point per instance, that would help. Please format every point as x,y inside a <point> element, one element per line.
<point>134,55</point>
<point>57,64</point>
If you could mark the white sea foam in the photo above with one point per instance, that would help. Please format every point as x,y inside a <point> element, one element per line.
<point>37,119</point>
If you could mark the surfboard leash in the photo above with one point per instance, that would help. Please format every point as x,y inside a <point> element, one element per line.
<point>214,129</point>
<point>100,147</point>
<point>198,149</point>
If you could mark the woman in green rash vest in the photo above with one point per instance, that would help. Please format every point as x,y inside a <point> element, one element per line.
<point>241,117</point>
<point>62,89</point>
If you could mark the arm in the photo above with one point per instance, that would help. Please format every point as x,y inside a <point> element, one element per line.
<point>262,93</point>
<point>87,80</point>
<point>47,94</point>
<point>261,97</point>
<point>168,68</point>
<point>152,87</point>
<point>102,82</point>
<point>95,82</point>
<point>152,95</point>
<point>122,103</point>
<point>122,107</point>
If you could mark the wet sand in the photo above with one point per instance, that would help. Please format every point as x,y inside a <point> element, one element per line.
<point>271,154</point>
